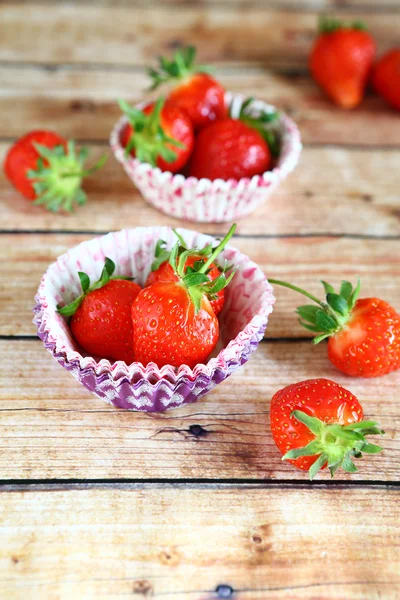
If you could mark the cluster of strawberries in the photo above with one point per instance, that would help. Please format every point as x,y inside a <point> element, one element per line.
<point>171,321</point>
<point>191,130</point>
<point>342,63</point>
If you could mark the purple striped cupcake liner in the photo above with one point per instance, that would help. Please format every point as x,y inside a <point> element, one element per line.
<point>248,302</point>
<point>203,200</point>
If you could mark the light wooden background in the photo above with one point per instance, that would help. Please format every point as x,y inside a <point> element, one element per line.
<point>98,502</point>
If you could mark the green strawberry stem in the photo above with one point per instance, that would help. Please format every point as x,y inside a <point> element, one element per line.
<point>106,276</point>
<point>58,176</point>
<point>335,445</point>
<point>149,138</point>
<point>180,67</point>
<point>330,25</point>
<point>196,279</point>
<point>328,317</point>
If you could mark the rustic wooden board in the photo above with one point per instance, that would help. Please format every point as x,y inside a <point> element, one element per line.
<point>51,427</point>
<point>332,191</point>
<point>154,541</point>
<point>304,261</point>
<point>132,35</point>
<point>81,102</point>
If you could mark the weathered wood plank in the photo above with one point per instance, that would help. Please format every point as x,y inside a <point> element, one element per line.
<point>81,103</point>
<point>51,427</point>
<point>131,34</point>
<point>304,261</point>
<point>332,191</point>
<point>262,542</point>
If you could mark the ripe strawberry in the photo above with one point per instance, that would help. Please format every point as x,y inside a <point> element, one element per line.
<point>364,335</point>
<point>341,60</point>
<point>161,270</point>
<point>101,316</point>
<point>317,424</point>
<point>158,135</point>
<point>173,321</point>
<point>45,168</point>
<point>197,93</point>
<point>386,77</point>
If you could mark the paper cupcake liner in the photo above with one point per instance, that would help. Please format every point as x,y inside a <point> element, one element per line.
<point>204,200</point>
<point>248,302</point>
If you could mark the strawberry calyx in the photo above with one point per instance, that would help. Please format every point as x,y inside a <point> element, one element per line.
<point>180,67</point>
<point>162,254</point>
<point>264,122</point>
<point>335,445</point>
<point>327,318</point>
<point>195,279</point>
<point>58,176</point>
<point>149,138</point>
<point>328,24</point>
<point>105,277</point>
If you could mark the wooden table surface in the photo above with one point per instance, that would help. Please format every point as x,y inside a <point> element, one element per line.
<point>99,502</point>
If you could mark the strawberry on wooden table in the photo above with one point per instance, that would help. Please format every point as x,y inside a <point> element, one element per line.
<point>101,316</point>
<point>173,321</point>
<point>46,168</point>
<point>159,135</point>
<point>341,60</point>
<point>236,148</point>
<point>317,424</point>
<point>197,93</point>
<point>386,77</point>
<point>161,270</point>
<point>364,334</point>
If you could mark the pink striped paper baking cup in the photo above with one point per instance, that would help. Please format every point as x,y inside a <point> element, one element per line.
<point>203,200</point>
<point>248,302</point>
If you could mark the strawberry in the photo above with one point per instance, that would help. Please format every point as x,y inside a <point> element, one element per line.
<point>317,424</point>
<point>159,135</point>
<point>235,148</point>
<point>386,77</point>
<point>45,168</point>
<point>173,321</point>
<point>364,335</point>
<point>161,270</point>
<point>341,60</point>
<point>197,93</point>
<point>101,316</point>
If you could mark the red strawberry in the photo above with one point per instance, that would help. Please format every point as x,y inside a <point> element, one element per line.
<point>101,317</point>
<point>318,423</point>
<point>341,60</point>
<point>235,148</point>
<point>161,270</point>
<point>364,335</point>
<point>159,135</point>
<point>386,77</point>
<point>197,93</point>
<point>44,167</point>
<point>173,321</point>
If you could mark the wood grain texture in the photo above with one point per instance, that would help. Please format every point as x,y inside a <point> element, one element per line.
<point>81,102</point>
<point>332,191</point>
<point>51,427</point>
<point>303,261</point>
<point>132,35</point>
<point>156,542</point>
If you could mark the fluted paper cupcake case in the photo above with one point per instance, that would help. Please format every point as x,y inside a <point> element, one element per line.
<point>203,200</point>
<point>248,303</point>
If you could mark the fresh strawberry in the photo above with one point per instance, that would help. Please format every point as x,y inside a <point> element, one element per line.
<point>318,423</point>
<point>173,321</point>
<point>197,93</point>
<point>364,335</point>
<point>386,77</point>
<point>101,316</point>
<point>160,135</point>
<point>161,270</point>
<point>341,60</point>
<point>45,168</point>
